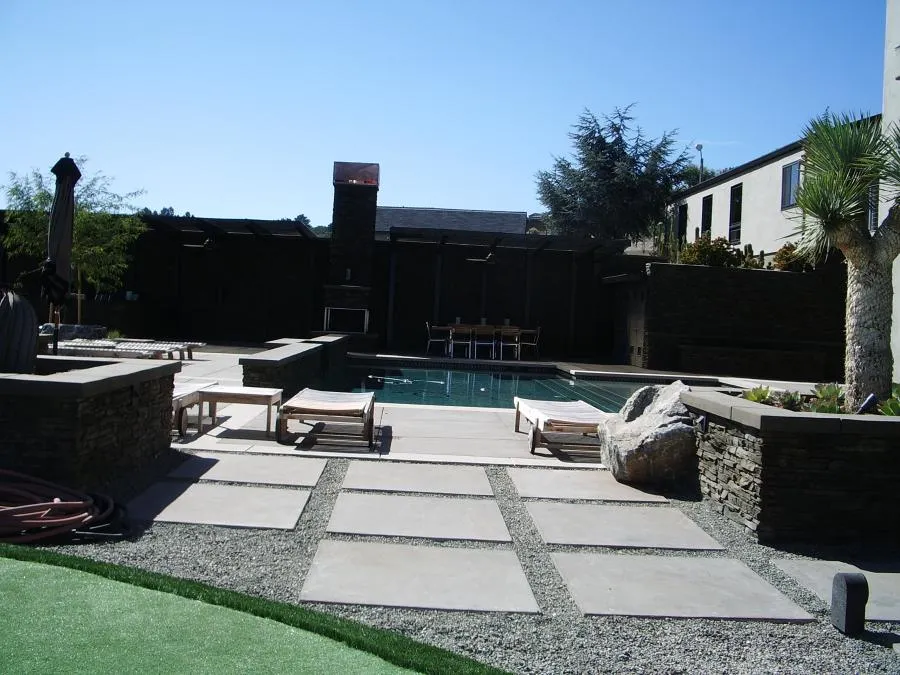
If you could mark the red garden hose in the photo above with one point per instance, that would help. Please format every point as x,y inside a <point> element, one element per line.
<point>32,508</point>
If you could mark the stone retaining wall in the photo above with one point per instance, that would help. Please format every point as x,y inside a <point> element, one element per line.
<point>290,368</point>
<point>91,429</point>
<point>798,477</point>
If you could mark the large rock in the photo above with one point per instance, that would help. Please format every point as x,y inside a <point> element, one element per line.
<point>651,441</point>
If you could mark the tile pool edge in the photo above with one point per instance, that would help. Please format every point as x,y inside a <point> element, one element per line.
<point>399,360</point>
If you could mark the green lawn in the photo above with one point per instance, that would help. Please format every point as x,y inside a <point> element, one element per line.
<point>63,613</point>
<point>62,620</point>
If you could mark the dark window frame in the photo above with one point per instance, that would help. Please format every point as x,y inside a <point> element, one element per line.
<point>706,208</point>
<point>735,212</point>
<point>790,181</point>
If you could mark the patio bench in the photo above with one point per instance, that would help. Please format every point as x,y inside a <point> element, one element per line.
<point>252,395</point>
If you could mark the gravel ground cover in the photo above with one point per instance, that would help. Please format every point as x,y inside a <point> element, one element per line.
<point>274,565</point>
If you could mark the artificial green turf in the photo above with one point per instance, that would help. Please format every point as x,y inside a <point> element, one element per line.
<point>62,620</point>
<point>392,647</point>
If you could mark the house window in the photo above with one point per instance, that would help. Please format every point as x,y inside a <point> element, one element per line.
<point>682,222</point>
<point>706,216</point>
<point>734,218</point>
<point>790,181</point>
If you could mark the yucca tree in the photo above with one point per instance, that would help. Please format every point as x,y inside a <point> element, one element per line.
<point>844,156</point>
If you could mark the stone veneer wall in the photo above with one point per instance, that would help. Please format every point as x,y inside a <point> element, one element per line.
<point>835,483</point>
<point>87,438</point>
<point>290,368</point>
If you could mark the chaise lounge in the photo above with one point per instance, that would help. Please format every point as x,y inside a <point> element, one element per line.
<point>558,424</point>
<point>313,405</point>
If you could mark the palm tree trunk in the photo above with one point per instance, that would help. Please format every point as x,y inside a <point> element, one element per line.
<point>868,363</point>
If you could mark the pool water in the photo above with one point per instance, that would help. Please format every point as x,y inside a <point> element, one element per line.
<point>479,388</point>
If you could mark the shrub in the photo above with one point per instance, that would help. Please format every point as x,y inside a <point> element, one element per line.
<point>713,252</point>
<point>786,260</point>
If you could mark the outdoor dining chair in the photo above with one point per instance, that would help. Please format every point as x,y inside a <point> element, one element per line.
<point>530,338</point>
<point>437,335</point>
<point>509,339</point>
<point>461,335</point>
<point>483,336</point>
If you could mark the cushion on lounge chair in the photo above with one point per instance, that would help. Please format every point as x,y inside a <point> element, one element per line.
<point>330,402</point>
<point>548,414</point>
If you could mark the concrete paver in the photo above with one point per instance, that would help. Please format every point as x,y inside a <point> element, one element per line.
<point>572,484</point>
<point>240,468</point>
<point>213,504</point>
<point>499,448</point>
<point>670,586</point>
<point>618,526</point>
<point>438,422</point>
<point>411,477</point>
<point>427,577</point>
<point>818,575</point>
<point>429,517</point>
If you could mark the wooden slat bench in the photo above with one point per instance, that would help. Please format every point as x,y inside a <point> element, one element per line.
<point>252,395</point>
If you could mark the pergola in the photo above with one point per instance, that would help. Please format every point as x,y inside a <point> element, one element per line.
<point>486,244</point>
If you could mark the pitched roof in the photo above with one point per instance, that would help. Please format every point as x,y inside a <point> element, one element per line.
<point>507,222</point>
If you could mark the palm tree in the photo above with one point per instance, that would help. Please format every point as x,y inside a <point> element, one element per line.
<point>844,157</point>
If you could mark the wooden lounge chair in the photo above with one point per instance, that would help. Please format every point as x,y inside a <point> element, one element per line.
<point>557,424</point>
<point>185,395</point>
<point>312,405</point>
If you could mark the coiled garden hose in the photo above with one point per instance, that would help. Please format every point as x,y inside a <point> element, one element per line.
<point>33,509</point>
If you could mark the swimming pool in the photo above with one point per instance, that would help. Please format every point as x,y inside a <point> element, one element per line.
<point>480,388</point>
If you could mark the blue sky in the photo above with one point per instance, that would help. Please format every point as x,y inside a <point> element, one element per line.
<point>239,109</point>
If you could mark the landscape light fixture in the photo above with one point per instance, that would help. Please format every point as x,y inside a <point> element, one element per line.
<point>699,147</point>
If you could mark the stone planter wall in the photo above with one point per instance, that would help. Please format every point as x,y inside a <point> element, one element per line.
<point>334,356</point>
<point>89,428</point>
<point>290,368</point>
<point>798,477</point>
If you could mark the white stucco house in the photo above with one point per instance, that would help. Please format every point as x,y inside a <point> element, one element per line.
<point>753,203</point>
<point>891,115</point>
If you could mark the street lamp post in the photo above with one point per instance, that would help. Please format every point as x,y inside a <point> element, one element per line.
<point>700,150</point>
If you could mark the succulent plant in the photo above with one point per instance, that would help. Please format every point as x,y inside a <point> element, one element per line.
<point>759,395</point>
<point>789,400</point>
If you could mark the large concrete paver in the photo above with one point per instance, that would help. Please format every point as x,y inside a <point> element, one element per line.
<point>412,477</point>
<point>240,468</point>
<point>429,517</point>
<point>440,422</point>
<point>213,504</point>
<point>427,577</point>
<point>818,576</point>
<point>576,484</point>
<point>500,448</point>
<point>618,526</point>
<point>671,586</point>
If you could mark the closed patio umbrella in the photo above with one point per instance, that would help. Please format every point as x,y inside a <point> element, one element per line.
<point>55,272</point>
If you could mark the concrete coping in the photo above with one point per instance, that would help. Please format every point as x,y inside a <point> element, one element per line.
<point>768,419</point>
<point>81,382</point>
<point>280,355</point>
<point>648,377</point>
<point>328,339</point>
<point>286,341</point>
<point>320,339</point>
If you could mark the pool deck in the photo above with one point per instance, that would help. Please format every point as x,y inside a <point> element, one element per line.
<point>446,434</point>
<point>421,433</point>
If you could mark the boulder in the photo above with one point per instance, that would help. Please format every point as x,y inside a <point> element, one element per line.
<point>651,441</point>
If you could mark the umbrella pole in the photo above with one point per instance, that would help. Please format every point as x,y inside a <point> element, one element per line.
<point>55,330</point>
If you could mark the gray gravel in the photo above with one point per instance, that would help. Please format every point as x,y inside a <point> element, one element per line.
<point>273,564</point>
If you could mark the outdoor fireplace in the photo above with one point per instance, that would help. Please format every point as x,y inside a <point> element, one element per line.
<point>348,291</point>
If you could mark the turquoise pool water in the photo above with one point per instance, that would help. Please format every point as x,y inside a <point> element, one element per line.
<point>479,388</point>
